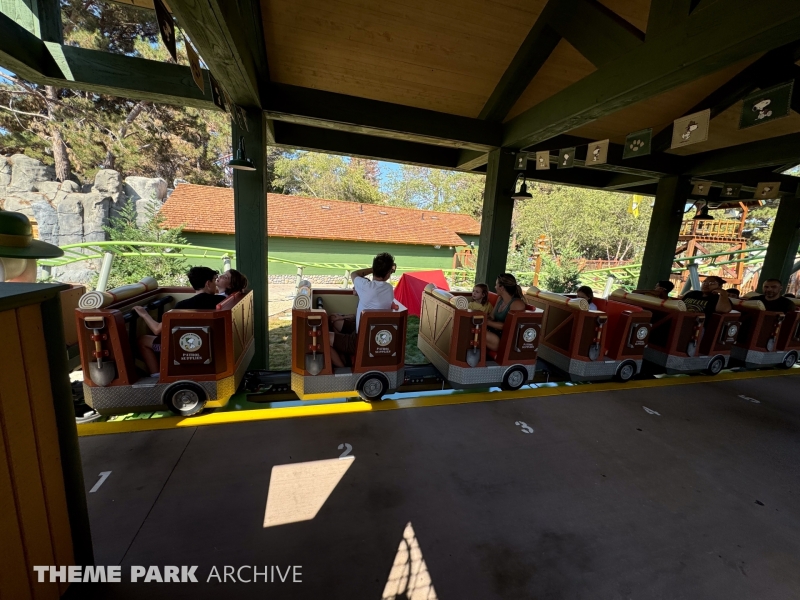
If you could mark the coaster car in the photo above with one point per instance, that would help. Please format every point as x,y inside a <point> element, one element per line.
<point>681,341</point>
<point>204,353</point>
<point>378,364</point>
<point>453,338</point>
<point>766,338</point>
<point>69,302</point>
<point>591,345</point>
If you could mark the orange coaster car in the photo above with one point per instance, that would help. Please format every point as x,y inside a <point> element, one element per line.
<point>453,338</point>
<point>766,338</point>
<point>685,342</point>
<point>591,345</point>
<point>378,365</point>
<point>204,353</point>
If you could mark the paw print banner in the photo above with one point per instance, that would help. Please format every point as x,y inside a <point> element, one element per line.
<point>566,158</point>
<point>167,28</point>
<point>638,143</point>
<point>543,160</point>
<point>691,129</point>
<point>730,190</point>
<point>597,153</point>
<point>767,105</point>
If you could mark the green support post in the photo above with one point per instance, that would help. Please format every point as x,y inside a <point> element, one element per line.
<point>496,220</point>
<point>783,242</point>
<point>665,226</point>
<point>41,17</point>
<point>250,213</point>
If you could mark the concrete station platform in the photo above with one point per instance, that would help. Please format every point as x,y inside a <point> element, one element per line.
<point>689,491</point>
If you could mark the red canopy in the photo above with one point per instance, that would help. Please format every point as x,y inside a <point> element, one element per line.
<point>411,285</point>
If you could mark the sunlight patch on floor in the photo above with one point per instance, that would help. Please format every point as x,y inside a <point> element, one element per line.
<point>298,491</point>
<point>409,578</point>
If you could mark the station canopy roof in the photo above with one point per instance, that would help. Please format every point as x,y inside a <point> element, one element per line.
<point>444,82</point>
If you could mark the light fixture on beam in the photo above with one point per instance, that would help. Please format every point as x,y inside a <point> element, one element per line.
<point>702,214</point>
<point>241,162</point>
<point>523,193</point>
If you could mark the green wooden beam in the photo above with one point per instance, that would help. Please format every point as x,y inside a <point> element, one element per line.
<point>784,242</point>
<point>250,222</point>
<point>595,31</point>
<point>47,63</point>
<point>666,14</point>
<point>317,139</point>
<point>753,155</point>
<point>498,208</point>
<point>50,27</point>
<point>665,225</point>
<point>469,160</point>
<point>714,36</point>
<point>317,108</point>
<point>532,54</point>
<point>230,40</point>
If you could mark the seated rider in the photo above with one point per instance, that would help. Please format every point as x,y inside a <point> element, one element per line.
<point>377,293</point>
<point>587,294</point>
<point>772,298</point>
<point>204,282</point>
<point>661,291</point>
<point>733,293</point>
<point>480,299</point>
<point>710,298</point>
<point>509,298</point>
<point>230,282</point>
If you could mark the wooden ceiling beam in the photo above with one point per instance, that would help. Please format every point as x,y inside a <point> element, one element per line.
<point>595,31</point>
<point>230,40</point>
<point>532,54</point>
<point>316,139</point>
<point>666,14</point>
<point>48,63</point>
<point>753,155</point>
<point>321,109</point>
<point>715,35</point>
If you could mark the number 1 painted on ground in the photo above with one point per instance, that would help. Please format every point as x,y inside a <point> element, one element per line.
<point>103,476</point>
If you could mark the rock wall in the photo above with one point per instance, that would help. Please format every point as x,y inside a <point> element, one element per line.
<point>67,214</point>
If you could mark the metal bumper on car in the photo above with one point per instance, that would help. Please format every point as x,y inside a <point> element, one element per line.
<point>584,370</point>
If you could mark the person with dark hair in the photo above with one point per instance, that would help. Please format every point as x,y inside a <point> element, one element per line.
<point>662,290</point>
<point>204,283</point>
<point>376,293</point>
<point>788,295</point>
<point>480,299</point>
<point>710,298</point>
<point>587,294</point>
<point>733,293</point>
<point>772,299</point>
<point>509,298</point>
<point>230,282</point>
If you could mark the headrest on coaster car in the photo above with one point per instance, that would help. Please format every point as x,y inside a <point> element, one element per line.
<point>102,299</point>
<point>644,300</point>
<point>302,301</point>
<point>577,303</point>
<point>460,302</point>
<point>754,304</point>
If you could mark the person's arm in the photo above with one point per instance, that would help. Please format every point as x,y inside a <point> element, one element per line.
<point>154,325</point>
<point>360,273</point>
<point>724,303</point>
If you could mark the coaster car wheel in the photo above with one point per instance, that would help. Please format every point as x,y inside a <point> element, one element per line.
<point>626,371</point>
<point>185,398</point>
<point>789,360</point>
<point>715,365</point>
<point>372,386</point>
<point>514,378</point>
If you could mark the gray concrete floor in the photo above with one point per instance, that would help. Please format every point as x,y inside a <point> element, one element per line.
<point>602,500</point>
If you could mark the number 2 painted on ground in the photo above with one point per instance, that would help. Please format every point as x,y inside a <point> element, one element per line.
<point>347,450</point>
<point>103,476</point>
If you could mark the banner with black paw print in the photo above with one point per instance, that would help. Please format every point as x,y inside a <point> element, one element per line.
<point>638,143</point>
<point>167,28</point>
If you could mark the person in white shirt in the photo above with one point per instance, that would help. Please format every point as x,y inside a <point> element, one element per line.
<point>376,293</point>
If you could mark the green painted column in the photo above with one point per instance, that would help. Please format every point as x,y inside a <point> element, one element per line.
<point>665,226</point>
<point>783,242</point>
<point>496,220</point>
<point>250,214</point>
<point>41,17</point>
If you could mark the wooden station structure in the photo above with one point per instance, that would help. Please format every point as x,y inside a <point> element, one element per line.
<point>466,85</point>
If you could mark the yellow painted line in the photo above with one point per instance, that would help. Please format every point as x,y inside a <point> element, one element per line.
<point>266,414</point>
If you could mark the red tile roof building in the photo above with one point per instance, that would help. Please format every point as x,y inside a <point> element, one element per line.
<point>206,209</point>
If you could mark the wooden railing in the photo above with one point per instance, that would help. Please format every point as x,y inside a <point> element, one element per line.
<point>716,228</point>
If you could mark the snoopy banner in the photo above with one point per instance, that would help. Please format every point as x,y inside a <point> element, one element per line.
<point>691,129</point>
<point>597,153</point>
<point>566,158</point>
<point>638,143</point>
<point>767,105</point>
<point>730,190</point>
<point>701,188</point>
<point>543,160</point>
<point>521,161</point>
<point>769,189</point>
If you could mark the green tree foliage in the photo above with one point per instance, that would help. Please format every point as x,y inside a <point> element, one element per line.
<point>595,223</point>
<point>130,269</point>
<point>95,131</point>
<point>436,189</point>
<point>327,176</point>
<point>561,274</point>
